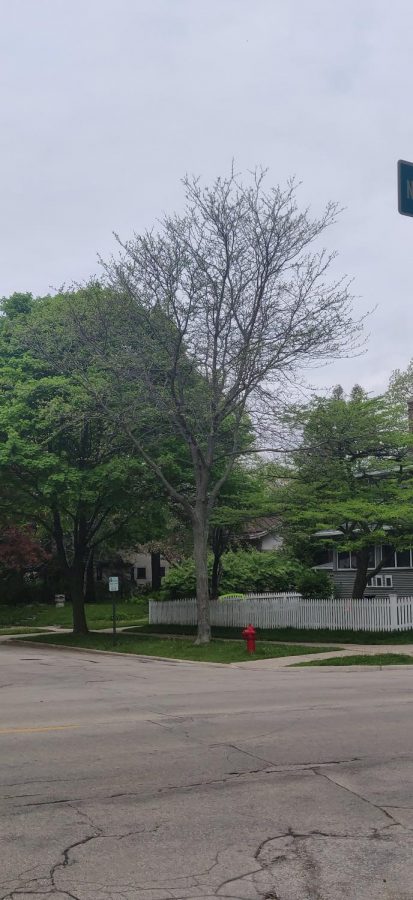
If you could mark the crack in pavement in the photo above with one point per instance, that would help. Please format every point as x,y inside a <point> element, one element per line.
<point>183,788</point>
<point>359,797</point>
<point>65,861</point>
<point>296,849</point>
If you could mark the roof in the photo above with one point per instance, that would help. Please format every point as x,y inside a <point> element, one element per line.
<point>258,528</point>
<point>335,532</point>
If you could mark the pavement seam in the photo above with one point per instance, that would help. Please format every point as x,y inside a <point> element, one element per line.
<point>376,806</point>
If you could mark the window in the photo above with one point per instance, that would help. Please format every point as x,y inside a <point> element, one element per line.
<point>395,559</point>
<point>348,559</point>
<point>382,581</point>
<point>323,556</point>
<point>344,559</point>
<point>403,559</point>
<point>141,573</point>
<point>162,571</point>
<point>388,554</point>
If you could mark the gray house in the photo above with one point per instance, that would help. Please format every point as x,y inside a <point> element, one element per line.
<point>396,577</point>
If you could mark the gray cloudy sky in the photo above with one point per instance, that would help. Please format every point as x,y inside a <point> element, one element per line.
<point>107,103</point>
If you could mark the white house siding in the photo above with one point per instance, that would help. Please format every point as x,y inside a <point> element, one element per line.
<point>271,542</point>
<point>143,561</point>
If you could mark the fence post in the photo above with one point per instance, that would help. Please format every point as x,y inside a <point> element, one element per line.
<point>394,624</point>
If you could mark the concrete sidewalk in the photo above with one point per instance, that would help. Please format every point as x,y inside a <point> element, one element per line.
<point>342,651</point>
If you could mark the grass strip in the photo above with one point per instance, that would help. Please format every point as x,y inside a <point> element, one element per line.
<point>99,615</point>
<point>319,636</point>
<point>216,651</point>
<point>373,659</point>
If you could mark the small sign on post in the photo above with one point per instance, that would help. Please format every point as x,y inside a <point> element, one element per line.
<point>405,187</point>
<point>113,588</point>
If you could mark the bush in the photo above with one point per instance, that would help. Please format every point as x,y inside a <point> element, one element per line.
<point>180,581</point>
<point>16,591</point>
<point>315,584</point>
<point>250,571</point>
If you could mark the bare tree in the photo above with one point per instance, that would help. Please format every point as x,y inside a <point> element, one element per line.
<point>216,312</point>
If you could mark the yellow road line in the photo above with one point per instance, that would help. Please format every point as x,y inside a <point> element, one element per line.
<point>35,730</point>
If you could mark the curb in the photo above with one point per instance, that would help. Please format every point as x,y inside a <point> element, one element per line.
<point>356,668</point>
<point>117,654</point>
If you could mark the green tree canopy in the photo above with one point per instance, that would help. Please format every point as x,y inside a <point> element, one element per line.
<point>244,496</point>
<point>64,466</point>
<point>353,476</point>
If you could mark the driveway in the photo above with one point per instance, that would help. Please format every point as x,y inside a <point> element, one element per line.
<point>133,779</point>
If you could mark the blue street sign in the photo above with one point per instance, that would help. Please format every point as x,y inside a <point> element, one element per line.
<point>405,187</point>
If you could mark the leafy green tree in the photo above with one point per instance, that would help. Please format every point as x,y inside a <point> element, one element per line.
<point>399,395</point>
<point>352,476</point>
<point>67,469</point>
<point>244,496</point>
<point>400,388</point>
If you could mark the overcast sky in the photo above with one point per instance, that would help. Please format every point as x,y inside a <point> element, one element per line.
<point>105,104</point>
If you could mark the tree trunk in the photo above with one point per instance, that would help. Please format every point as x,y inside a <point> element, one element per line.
<point>90,592</point>
<point>362,574</point>
<point>156,571</point>
<point>77,577</point>
<point>201,572</point>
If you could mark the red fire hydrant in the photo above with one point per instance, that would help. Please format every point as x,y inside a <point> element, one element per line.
<point>249,634</point>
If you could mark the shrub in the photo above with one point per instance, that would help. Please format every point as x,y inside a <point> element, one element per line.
<point>314,584</point>
<point>250,571</point>
<point>236,596</point>
<point>16,591</point>
<point>180,581</point>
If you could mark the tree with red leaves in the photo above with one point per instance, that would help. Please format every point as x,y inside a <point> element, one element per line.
<point>20,550</point>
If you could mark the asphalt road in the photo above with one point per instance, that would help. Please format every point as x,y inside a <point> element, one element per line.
<point>127,779</point>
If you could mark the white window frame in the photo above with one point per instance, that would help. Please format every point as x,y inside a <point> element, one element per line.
<point>378,555</point>
<point>381,581</point>
<point>396,567</point>
<point>349,568</point>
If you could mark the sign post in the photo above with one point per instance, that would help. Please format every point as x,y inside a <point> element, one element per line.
<point>113,588</point>
<point>405,187</point>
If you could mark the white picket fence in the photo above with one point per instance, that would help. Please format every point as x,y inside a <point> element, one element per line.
<point>390,613</point>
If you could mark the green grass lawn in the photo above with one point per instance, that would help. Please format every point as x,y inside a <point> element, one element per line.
<point>216,651</point>
<point>375,659</point>
<point>318,636</point>
<point>99,615</point>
